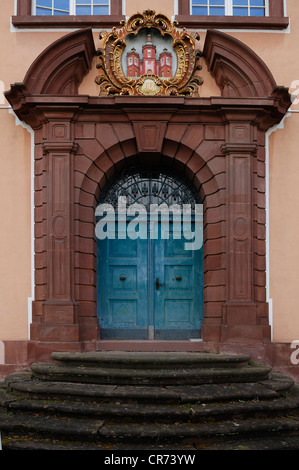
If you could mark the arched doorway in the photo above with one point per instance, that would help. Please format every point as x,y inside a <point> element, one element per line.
<point>149,257</point>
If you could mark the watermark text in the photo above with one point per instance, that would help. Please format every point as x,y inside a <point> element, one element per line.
<point>158,221</point>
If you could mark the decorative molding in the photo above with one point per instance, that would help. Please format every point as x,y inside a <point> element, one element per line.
<point>233,22</point>
<point>63,21</point>
<point>149,136</point>
<point>60,68</point>
<point>58,147</point>
<point>238,70</point>
<point>111,77</point>
<point>25,19</point>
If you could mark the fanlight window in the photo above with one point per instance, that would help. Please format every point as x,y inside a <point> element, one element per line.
<point>148,187</point>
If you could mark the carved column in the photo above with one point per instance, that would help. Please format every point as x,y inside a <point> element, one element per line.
<point>59,313</point>
<point>240,315</point>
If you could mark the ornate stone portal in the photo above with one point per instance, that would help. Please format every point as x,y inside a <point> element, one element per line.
<point>120,71</point>
<point>81,142</point>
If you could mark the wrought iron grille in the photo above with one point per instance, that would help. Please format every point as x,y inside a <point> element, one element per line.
<point>148,187</point>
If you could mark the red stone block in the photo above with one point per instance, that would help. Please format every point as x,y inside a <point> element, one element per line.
<point>175,132</point>
<point>105,135</point>
<point>193,136</point>
<point>124,132</point>
<point>58,333</point>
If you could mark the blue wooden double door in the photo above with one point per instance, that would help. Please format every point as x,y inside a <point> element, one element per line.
<point>149,288</point>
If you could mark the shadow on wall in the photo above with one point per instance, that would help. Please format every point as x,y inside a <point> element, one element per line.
<point>2,89</point>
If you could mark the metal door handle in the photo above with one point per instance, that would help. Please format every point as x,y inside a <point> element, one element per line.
<point>122,278</point>
<point>178,278</point>
<point>158,284</point>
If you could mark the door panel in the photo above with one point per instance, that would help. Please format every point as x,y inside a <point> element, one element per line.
<point>178,313</point>
<point>146,285</point>
<point>123,288</point>
<point>179,296</point>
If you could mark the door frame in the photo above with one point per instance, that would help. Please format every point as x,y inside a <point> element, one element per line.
<point>152,311</point>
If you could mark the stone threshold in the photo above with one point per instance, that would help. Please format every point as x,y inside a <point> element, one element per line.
<point>150,345</point>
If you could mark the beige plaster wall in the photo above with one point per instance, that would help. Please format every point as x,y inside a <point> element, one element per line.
<point>15,236</point>
<point>20,48</point>
<point>166,6</point>
<point>284,229</point>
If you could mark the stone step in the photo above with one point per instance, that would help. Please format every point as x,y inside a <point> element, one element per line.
<point>147,401</point>
<point>97,431</point>
<point>144,451</point>
<point>260,443</point>
<point>132,412</point>
<point>195,434</point>
<point>273,387</point>
<point>74,428</point>
<point>150,360</point>
<point>150,376</point>
<point>10,443</point>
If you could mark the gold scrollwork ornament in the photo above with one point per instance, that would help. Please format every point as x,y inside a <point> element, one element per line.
<point>112,79</point>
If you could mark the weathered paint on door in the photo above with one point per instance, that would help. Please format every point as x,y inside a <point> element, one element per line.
<point>149,288</point>
<point>178,303</point>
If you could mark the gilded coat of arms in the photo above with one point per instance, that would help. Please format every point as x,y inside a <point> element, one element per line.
<point>149,56</point>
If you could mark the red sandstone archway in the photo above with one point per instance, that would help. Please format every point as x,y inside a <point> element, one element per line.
<point>204,171</point>
<point>81,141</point>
